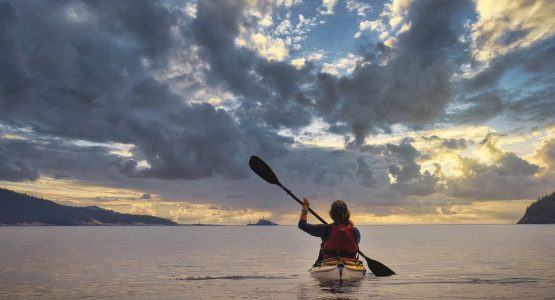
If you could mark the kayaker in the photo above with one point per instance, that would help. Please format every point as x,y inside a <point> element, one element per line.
<point>340,239</point>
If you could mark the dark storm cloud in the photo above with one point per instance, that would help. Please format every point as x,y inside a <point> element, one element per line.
<point>493,94</point>
<point>425,185</point>
<point>477,109</point>
<point>407,172</point>
<point>84,71</point>
<point>146,23</point>
<point>87,76</point>
<point>537,108</point>
<point>406,169</point>
<point>401,164</point>
<point>507,177</point>
<point>12,166</point>
<point>12,77</point>
<point>454,144</point>
<point>59,159</point>
<point>194,142</point>
<point>449,144</point>
<point>413,87</point>
<point>270,91</point>
<point>365,173</point>
<point>512,164</point>
<point>539,59</point>
<point>344,172</point>
<point>60,176</point>
<point>511,36</point>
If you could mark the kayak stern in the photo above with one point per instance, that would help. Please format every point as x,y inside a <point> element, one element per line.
<point>338,271</point>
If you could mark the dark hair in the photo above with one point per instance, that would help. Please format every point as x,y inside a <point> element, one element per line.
<point>339,212</point>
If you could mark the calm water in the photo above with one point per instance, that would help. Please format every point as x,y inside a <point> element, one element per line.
<point>237,262</point>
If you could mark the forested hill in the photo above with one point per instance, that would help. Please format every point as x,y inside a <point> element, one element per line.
<point>21,209</point>
<point>541,211</point>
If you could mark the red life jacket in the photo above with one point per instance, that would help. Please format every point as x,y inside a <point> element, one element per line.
<point>340,242</point>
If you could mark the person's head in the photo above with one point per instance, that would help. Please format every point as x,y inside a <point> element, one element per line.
<point>339,212</point>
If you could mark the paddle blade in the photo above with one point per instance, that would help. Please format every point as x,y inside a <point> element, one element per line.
<point>263,170</point>
<point>377,267</point>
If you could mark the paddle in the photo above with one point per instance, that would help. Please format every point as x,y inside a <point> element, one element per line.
<point>263,170</point>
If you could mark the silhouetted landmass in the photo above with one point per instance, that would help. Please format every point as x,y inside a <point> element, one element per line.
<point>21,209</point>
<point>263,222</point>
<point>541,211</point>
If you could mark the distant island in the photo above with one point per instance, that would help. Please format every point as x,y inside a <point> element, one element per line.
<point>541,211</point>
<point>21,209</point>
<point>263,222</point>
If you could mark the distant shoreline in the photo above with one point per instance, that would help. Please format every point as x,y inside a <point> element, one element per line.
<point>245,225</point>
<point>129,225</point>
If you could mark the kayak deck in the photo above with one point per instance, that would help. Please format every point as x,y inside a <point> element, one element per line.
<point>339,270</point>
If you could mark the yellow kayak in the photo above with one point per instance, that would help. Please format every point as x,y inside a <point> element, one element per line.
<point>339,270</point>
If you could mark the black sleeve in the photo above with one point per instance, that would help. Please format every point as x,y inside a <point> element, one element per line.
<point>318,230</point>
<point>357,234</point>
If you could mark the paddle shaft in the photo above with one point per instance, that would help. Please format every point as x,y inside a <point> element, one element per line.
<point>301,203</point>
<point>314,213</point>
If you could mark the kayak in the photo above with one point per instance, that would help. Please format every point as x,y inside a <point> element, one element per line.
<point>338,270</point>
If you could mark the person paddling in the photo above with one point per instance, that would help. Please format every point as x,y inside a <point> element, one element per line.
<point>339,240</point>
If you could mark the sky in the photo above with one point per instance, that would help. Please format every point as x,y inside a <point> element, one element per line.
<point>413,112</point>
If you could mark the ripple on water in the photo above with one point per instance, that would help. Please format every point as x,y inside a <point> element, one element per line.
<point>229,277</point>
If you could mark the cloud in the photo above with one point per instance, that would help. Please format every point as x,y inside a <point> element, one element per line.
<point>476,109</point>
<point>342,66</point>
<point>407,174</point>
<point>406,169</point>
<point>375,25</point>
<point>146,24</point>
<point>12,76</point>
<point>507,41</point>
<point>377,96</point>
<point>267,47</point>
<point>496,90</point>
<point>315,56</point>
<point>504,27</point>
<point>401,161</point>
<point>119,100</point>
<point>507,176</point>
<point>536,60</point>
<point>328,7</point>
<point>284,27</point>
<point>454,143</point>
<point>193,141</point>
<point>295,34</point>
<point>360,8</point>
<point>102,88</point>
<point>271,91</point>
<point>364,171</point>
<point>535,108</point>
<point>393,19</point>
<point>60,158</point>
<point>257,38</point>
<point>545,155</point>
<point>12,166</point>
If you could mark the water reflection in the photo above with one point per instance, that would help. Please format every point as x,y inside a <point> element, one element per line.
<point>344,291</point>
<point>329,290</point>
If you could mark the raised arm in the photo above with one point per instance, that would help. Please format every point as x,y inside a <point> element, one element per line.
<point>318,230</point>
